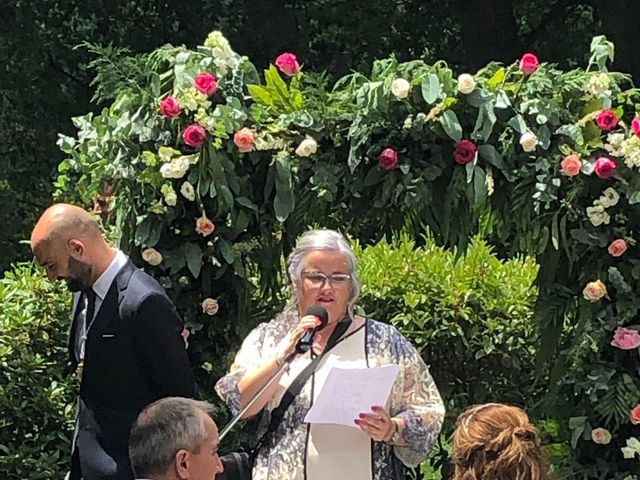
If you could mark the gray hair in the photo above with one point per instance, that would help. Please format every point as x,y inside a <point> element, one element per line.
<point>311,241</point>
<point>162,429</point>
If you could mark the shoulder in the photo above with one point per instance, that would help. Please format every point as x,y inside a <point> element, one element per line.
<point>381,333</point>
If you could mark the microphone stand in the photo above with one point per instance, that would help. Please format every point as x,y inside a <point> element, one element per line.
<point>250,403</point>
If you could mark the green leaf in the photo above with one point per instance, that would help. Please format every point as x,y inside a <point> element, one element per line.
<point>518,124</point>
<point>497,78</point>
<point>142,231</point>
<point>260,94</point>
<point>283,202</point>
<point>490,154</point>
<point>193,254</point>
<point>430,88</point>
<point>451,124</point>
<point>479,185</point>
<point>577,426</point>
<point>634,198</point>
<point>227,251</point>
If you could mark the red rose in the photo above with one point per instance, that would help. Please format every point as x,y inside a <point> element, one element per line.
<point>194,135</point>
<point>288,64</point>
<point>607,120</point>
<point>170,107</point>
<point>465,152</point>
<point>635,126</point>
<point>529,63</point>
<point>605,167</point>
<point>206,83</point>
<point>617,247</point>
<point>634,415</point>
<point>388,159</point>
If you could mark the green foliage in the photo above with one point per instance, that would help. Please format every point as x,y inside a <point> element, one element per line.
<point>470,316</point>
<point>36,392</point>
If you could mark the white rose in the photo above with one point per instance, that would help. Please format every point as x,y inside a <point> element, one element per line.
<point>633,442</point>
<point>188,191</point>
<point>176,168</point>
<point>210,306</point>
<point>152,256</point>
<point>609,198</point>
<point>628,452</point>
<point>598,216</point>
<point>171,199</point>
<point>601,436</point>
<point>466,83</point>
<point>400,88</point>
<point>528,141</point>
<point>307,147</point>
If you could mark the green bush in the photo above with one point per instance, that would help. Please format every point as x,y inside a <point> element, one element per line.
<point>469,316</point>
<point>36,390</point>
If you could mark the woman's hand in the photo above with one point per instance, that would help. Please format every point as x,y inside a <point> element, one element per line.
<point>377,424</point>
<point>306,323</point>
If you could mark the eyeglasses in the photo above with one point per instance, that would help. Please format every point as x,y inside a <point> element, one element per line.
<point>318,279</point>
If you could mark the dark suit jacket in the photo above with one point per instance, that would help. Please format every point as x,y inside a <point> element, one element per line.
<point>135,354</point>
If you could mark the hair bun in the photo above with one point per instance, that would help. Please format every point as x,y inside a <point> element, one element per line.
<point>526,434</point>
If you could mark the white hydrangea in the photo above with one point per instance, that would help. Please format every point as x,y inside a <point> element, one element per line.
<point>192,100</point>
<point>225,59</point>
<point>614,144</point>
<point>596,85</point>
<point>630,150</point>
<point>170,197</point>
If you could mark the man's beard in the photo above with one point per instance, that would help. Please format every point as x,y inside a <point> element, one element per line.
<point>79,275</point>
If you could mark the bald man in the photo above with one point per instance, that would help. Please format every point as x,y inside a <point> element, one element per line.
<point>125,339</point>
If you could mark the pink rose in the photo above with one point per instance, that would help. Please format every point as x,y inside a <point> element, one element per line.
<point>634,415</point>
<point>194,135</point>
<point>204,226</point>
<point>635,126</point>
<point>529,63</point>
<point>244,139</point>
<point>626,338</point>
<point>607,119</point>
<point>185,336</point>
<point>288,64</point>
<point>465,152</point>
<point>605,167</point>
<point>206,83</point>
<point>169,107</point>
<point>617,247</point>
<point>571,165</point>
<point>388,159</point>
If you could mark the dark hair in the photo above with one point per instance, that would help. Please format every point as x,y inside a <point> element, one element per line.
<point>497,442</point>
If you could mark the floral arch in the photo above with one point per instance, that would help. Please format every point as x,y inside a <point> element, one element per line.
<point>209,172</point>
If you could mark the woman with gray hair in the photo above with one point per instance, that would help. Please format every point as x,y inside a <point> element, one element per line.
<point>386,439</point>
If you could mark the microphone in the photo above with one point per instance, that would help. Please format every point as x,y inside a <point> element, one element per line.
<point>305,342</point>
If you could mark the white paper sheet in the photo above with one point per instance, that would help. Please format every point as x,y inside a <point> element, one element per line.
<point>348,392</point>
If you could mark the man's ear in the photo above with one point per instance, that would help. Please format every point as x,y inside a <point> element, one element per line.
<point>182,459</point>
<point>76,247</point>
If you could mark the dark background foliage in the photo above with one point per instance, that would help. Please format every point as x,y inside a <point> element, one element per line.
<point>46,79</point>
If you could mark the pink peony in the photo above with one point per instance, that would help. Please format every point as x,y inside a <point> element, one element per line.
<point>204,226</point>
<point>634,415</point>
<point>169,107</point>
<point>617,247</point>
<point>194,135</point>
<point>465,152</point>
<point>607,120</point>
<point>388,159</point>
<point>206,83</point>
<point>605,167</point>
<point>529,63</point>
<point>626,338</point>
<point>244,139</point>
<point>571,165</point>
<point>635,126</point>
<point>288,64</point>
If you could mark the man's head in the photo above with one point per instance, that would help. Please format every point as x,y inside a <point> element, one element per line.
<point>175,439</point>
<point>67,242</point>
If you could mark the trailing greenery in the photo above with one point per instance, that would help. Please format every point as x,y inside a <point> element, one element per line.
<point>209,171</point>
<point>36,390</point>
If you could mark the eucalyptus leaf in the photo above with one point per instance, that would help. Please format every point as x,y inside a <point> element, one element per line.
<point>430,88</point>
<point>193,255</point>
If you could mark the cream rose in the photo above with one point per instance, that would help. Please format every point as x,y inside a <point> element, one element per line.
<point>528,141</point>
<point>210,306</point>
<point>171,199</point>
<point>152,256</point>
<point>400,88</point>
<point>307,147</point>
<point>594,291</point>
<point>188,191</point>
<point>466,83</point>
<point>601,436</point>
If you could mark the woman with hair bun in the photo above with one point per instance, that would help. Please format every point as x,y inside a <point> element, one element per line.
<point>497,442</point>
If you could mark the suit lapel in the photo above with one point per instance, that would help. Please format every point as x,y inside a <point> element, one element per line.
<point>111,301</point>
<point>72,329</point>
